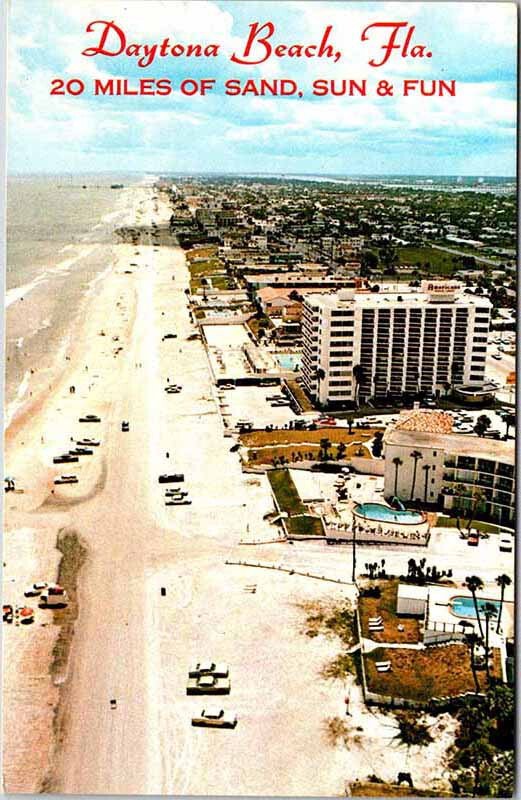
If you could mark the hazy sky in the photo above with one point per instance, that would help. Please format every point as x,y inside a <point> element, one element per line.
<point>473,133</point>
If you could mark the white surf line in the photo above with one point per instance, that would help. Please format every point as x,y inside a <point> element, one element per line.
<point>18,401</point>
<point>17,292</point>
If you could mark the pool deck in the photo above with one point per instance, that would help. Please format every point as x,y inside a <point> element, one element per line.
<point>440,610</point>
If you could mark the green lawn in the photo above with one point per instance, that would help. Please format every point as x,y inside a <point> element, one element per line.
<point>207,267</point>
<point>305,526</point>
<point>289,500</point>
<point>441,263</point>
<point>450,522</point>
<point>286,492</point>
<point>218,282</point>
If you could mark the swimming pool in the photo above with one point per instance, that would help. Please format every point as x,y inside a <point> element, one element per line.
<point>381,513</point>
<point>464,606</point>
<point>289,361</point>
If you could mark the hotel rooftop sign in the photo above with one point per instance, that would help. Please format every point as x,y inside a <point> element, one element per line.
<point>440,288</point>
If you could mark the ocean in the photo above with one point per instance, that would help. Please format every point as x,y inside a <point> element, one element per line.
<point>60,231</point>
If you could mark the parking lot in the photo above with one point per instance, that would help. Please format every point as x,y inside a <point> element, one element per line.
<point>250,403</point>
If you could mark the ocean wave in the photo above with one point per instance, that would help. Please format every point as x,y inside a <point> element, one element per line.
<point>18,292</point>
<point>18,401</point>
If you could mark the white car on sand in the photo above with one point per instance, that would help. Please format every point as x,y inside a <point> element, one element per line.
<point>218,670</point>
<point>215,718</point>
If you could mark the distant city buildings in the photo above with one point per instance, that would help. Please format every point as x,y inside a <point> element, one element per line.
<point>362,344</point>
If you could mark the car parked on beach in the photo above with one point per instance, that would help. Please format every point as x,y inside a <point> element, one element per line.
<point>178,501</point>
<point>66,479</point>
<point>81,451</point>
<point>52,600</point>
<point>175,493</point>
<point>217,669</point>
<point>177,477</point>
<point>215,718</point>
<point>473,539</point>
<point>169,336</point>
<point>125,426</point>
<point>208,684</point>
<point>66,458</point>
<point>88,442</point>
<point>89,418</point>
<point>36,589</point>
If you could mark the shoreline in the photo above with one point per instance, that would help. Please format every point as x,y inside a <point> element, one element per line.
<point>30,433</point>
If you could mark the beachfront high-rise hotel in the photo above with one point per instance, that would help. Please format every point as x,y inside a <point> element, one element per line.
<point>394,341</point>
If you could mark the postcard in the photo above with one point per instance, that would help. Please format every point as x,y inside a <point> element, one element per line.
<point>260,420</point>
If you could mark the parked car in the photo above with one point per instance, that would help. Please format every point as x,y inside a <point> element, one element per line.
<point>81,451</point>
<point>176,493</point>
<point>178,501</point>
<point>25,615</point>
<point>52,600</point>
<point>218,670</point>
<point>473,538</point>
<point>66,479</point>
<point>90,418</point>
<point>208,684</point>
<point>169,336</point>
<point>66,458</point>
<point>88,442</point>
<point>125,426</point>
<point>506,541</point>
<point>215,718</point>
<point>7,611</point>
<point>35,589</point>
<point>177,477</point>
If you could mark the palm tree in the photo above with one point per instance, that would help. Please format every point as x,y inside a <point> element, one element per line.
<point>325,444</point>
<point>474,584</point>
<point>459,492</point>
<point>320,375</point>
<point>502,581</point>
<point>397,464</point>
<point>482,425</point>
<point>416,455</point>
<point>478,496</point>
<point>358,375</point>
<point>472,639</point>
<point>510,420</point>
<point>489,611</point>
<point>426,469</point>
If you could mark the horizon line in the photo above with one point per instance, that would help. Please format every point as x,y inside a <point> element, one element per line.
<point>285,173</point>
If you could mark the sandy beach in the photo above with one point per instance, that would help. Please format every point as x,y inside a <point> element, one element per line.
<point>131,641</point>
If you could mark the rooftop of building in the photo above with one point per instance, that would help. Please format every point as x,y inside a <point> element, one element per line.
<point>425,421</point>
<point>412,592</point>
<point>393,295</point>
<point>457,444</point>
<point>271,292</point>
